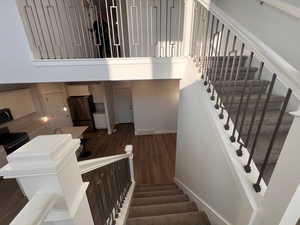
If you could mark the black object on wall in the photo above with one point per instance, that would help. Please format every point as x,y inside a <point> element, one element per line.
<point>5,116</point>
<point>12,141</point>
<point>82,109</point>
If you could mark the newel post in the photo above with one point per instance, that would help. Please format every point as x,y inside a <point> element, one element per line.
<point>47,164</point>
<point>285,180</point>
<point>129,151</point>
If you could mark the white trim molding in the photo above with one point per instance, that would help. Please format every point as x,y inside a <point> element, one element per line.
<point>150,132</point>
<point>92,164</point>
<point>107,61</point>
<point>283,6</point>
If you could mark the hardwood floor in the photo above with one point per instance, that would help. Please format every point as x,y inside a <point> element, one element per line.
<point>12,200</point>
<point>154,162</point>
<point>154,155</point>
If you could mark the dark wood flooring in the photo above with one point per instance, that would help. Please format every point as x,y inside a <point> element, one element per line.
<point>12,200</point>
<point>154,155</point>
<point>154,163</point>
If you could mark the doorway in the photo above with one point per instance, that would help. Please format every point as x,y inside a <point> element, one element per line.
<point>123,105</point>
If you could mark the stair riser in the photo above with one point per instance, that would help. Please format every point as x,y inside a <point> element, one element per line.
<point>238,90</point>
<point>173,219</point>
<point>251,106</point>
<point>157,193</point>
<point>155,210</point>
<point>241,76</point>
<point>158,188</point>
<point>159,200</point>
<point>287,119</point>
<point>219,71</point>
<point>230,84</point>
<point>230,63</point>
<point>265,129</point>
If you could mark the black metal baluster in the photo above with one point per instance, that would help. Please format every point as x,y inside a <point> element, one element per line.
<point>239,152</point>
<point>232,138</point>
<point>221,115</point>
<point>205,47</point>
<point>115,190</point>
<point>282,111</point>
<point>219,45</point>
<point>221,72</point>
<point>118,181</point>
<point>101,189</point>
<point>248,167</point>
<point>231,93</point>
<point>199,35</point>
<point>99,199</point>
<point>213,56</point>
<point>202,35</point>
<point>108,193</point>
<point>209,51</point>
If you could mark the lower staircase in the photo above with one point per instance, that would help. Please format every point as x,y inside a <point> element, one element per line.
<point>163,205</point>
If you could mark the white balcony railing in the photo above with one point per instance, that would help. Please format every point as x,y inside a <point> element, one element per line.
<point>69,29</point>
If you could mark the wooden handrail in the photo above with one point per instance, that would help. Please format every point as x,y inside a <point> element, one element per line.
<point>92,164</point>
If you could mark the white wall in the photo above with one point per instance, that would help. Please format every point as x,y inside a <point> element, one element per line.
<point>97,90</point>
<point>20,102</point>
<point>155,106</point>
<point>78,90</point>
<point>275,28</point>
<point>203,165</point>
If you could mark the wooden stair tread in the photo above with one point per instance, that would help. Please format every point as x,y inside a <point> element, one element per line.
<point>162,209</point>
<point>157,193</point>
<point>143,188</point>
<point>190,218</point>
<point>159,200</point>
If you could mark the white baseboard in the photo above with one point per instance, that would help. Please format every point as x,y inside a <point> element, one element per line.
<point>126,205</point>
<point>150,132</point>
<point>214,217</point>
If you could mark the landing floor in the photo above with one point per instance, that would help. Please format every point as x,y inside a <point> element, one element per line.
<point>154,155</point>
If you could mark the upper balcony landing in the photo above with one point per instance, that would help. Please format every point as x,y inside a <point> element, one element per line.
<point>75,29</point>
<point>91,40</point>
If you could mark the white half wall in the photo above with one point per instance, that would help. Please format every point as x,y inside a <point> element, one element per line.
<point>17,66</point>
<point>155,106</point>
<point>204,168</point>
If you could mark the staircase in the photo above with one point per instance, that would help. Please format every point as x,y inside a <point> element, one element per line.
<point>163,205</point>
<point>230,90</point>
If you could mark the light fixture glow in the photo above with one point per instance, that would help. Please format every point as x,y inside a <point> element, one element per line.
<point>65,109</point>
<point>45,119</point>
